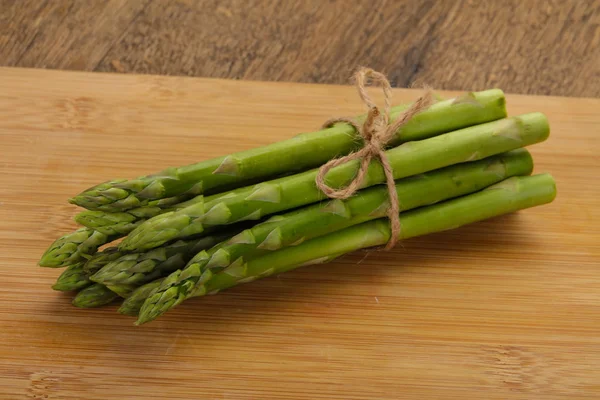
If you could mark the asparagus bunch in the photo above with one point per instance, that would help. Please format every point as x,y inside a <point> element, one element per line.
<point>457,162</point>
<point>138,268</point>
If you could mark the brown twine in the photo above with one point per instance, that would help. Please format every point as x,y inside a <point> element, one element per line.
<point>376,132</point>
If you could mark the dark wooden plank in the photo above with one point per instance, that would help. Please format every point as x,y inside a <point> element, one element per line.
<point>65,34</point>
<point>522,46</point>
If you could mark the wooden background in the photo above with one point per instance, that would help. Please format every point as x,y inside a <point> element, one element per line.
<point>549,47</point>
<point>508,308</point>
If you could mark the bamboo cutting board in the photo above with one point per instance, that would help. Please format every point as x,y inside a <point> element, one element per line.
<point>506,308</point>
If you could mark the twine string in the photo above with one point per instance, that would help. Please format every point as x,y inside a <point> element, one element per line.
<point>376,131</point>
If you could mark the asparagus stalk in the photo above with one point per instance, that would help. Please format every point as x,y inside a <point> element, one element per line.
<point>138,268</point>
<point>72,278</point>
<point>121,223</point>
<point>95,295</point>
<point>469,144</point>
<point>299,153</point>
<point>100,259</point>
<point>73,248</point>
<point>122,290</point>
<point>133,303</point>
<point>507,196</point>
<point>118,224</point>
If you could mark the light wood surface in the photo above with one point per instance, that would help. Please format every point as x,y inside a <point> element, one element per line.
<point>507,308</point>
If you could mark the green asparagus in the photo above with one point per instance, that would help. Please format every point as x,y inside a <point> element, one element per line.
<point>133,303</point>
<point>72,278</point>
<point>507,196</point>
<point>73,248</point>
<point>320,219</point>
<point>164,260</point>
<point>412,158</point>
<point>299,153</point>
<point>121,223</point>
<point>123,290</point>
<point>138,268</point>
<point>95,295</point>
<point>156,263</point>
<point>100,259</point>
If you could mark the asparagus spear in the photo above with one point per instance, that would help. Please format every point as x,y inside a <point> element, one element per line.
<point>72,278</point>
<point>138,268</point>
<point>100,259</point>
<point>123,290</point>
<point>73,248</point>
<point>118,224</point>
<point>121,223</point>
<point>299,153</point>
<point>469,144</point>
<point>507,196</point>
<point>95,295</point>
<point>133,303</point>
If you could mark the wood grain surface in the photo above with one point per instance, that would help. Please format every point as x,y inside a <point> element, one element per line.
<point>549,47</point>
<point>506,308</point>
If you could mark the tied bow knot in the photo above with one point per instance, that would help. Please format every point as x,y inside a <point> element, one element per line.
<point>377,132</point>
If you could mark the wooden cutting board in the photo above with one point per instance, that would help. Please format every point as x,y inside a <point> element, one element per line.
<point>506,308</point>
